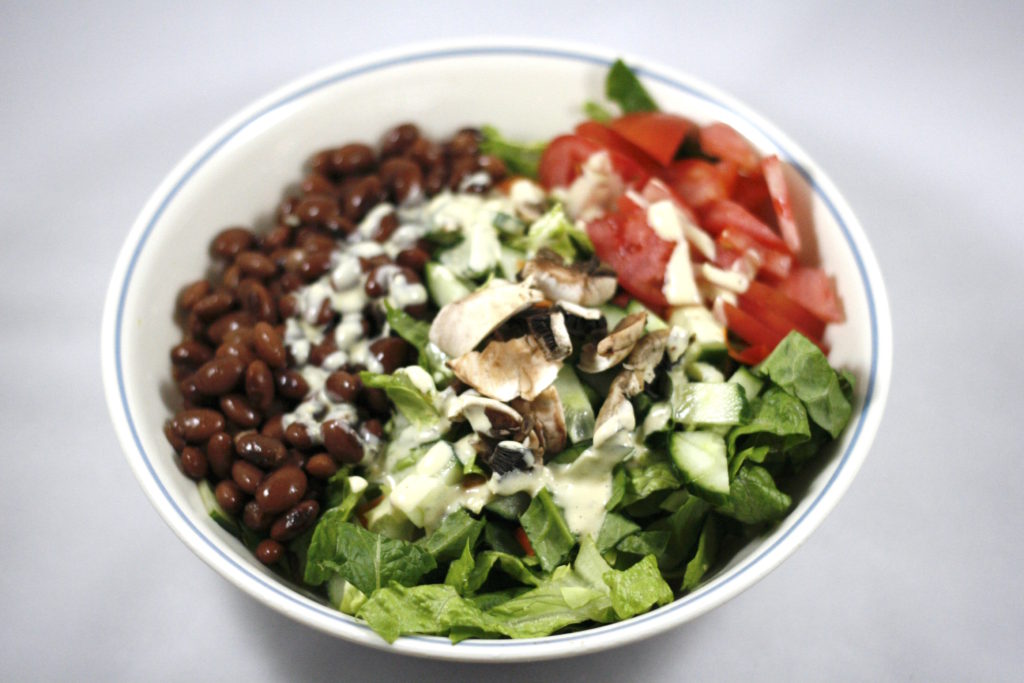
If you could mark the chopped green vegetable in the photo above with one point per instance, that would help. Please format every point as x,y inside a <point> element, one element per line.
<point>753,497</point>
<point>520,158</point>
<point>596,112</point>
<point>623,87</point>
<point>456,531</point>
<point>416,406</point>
<point>548,533</point>
<point>556,232</point>
<point>637,589</point>
<point>707,549</point>
<point>365,559</point>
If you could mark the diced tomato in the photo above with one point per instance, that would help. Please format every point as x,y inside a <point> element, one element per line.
<point>656,190</point>
<point>750,329</point>
<point>723,142</point>
<point>778,323</point>
<point>728,173</point>
<point>773,262</point>
<point>776,182</point>
<point>697,181</point>
<point>751,192</point>
<point>813,289</point>
<point>723,213</point>
<point>760,296</point>
<point>624,241</point>
<point>524,540</point>
<point>656,133</point>
<point>632,163</point>
<point>562,160</point>
<point>752,355</point>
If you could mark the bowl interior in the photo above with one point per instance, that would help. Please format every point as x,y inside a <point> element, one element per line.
<point>239,174</point>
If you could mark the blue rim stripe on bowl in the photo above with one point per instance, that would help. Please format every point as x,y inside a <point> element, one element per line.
<point>461,52</point>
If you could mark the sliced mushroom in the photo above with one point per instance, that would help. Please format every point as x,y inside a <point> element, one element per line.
<point>584,324</point>
<point>616,412</point>
<point>548,328</point>
<point>546,415</point>
<point>486,416</point>
<point>585,283</point>
<point>507,369</point>
<point>616,346</point>
<point>508,456</point>
<point>646,355</point>
<point>463,324</point>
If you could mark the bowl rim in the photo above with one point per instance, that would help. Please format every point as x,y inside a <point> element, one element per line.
<point>278,595</point>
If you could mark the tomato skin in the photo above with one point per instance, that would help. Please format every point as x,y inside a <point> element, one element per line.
<point>524,541</point>
<point>723,213</point>
<point>752,355</point>
<point>750,329</point>
<point>723,142</point>
<point>562,160</point>
<point>760,296</point>
<point>776,182</point>
<point>697,181</point>
<point>656,133</point>
<point>813,289</point>
<point>632,163</point>
<point>639,257</point>
<point>774,263</point>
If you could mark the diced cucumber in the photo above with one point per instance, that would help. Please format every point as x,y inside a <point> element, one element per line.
<point>701,459</point>
<point>576,408</point>
<point>708,335</point>
<point>710,404</point>
<point>613,314</point>
<point>510,262</point>
<point>750,382</point>
<point>700,371</point>
<point>213,508</point>
<point>443,284</point>
<point>658,419</point>
<point>654,323</point>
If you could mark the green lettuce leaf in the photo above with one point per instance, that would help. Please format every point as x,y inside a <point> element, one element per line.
<point>614,528</point>
<point>623,87</point>
<point>430,609</point>
<point>548,533</point>
<point>683,527</point>
<point>707,550</point>
<point>799,367</point>
<point>457,530</point>
<point>418,408</point>
<point>521,158</point>
<point>366,560</point>
<point>556,232</point>
<point>416,332</point>
<point>638,588</point>
<point>341,496</point>
<point>779,420</point>
<point>753,497</point>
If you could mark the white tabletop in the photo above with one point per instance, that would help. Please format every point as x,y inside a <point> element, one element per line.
<point>914,112</point>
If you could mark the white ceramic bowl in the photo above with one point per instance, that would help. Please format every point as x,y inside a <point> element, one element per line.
<point>529,90</point>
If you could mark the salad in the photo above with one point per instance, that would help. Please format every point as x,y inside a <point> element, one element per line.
<point>552,392</point>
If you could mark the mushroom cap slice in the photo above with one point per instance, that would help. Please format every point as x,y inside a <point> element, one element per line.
<point>580,283</point>
<point>545,412</point>
<point>487,416</point>
<point>616,412</point>
<point>507,369</point>
<point>646,355</point>
<point>462,324</point>
<point>614,348</point>
<point>548,327</point>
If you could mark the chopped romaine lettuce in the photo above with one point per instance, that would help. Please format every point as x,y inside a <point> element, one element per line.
<point>623,87</point>
<point>520,158</point>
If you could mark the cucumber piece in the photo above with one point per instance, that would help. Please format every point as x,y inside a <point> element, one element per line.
<point>213,508</point>
<point>510,262</point>
<point>708,335</point>
<point>750,382</point>
<point>699,371</point>
<point>654,323</point>
<point>701,404</point>
<point>444,286</point>
<point>658,419</point>
<point>576,408</point>
<point>613,314</point>
<point>701,459</point>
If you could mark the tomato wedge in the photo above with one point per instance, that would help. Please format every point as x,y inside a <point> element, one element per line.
<point>763,297</point>
<point>723,142</point>
<point>656,133</point>
<point>723,213</point>
<point>524,541</point>
<point>752,355</point>
<point>624,241</point>
<point>562,160</point>
<point>813,289</point>
<point>776,181</point>
<point>773,262</point>
<point>750,329</point>
<point>777,322</point>
<point>633,163</point>
<point>697,181</point>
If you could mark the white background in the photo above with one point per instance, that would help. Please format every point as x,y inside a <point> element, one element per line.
<point>914,110</point>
